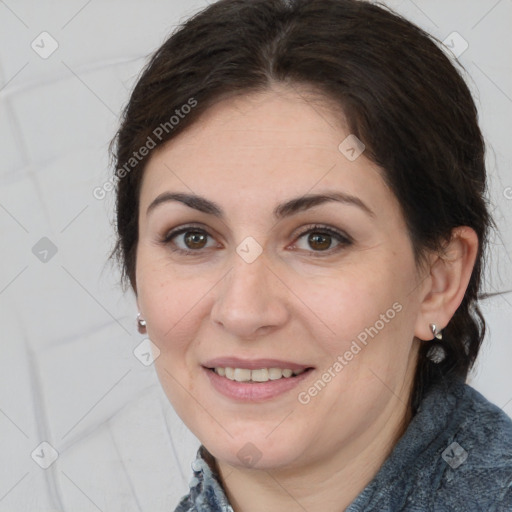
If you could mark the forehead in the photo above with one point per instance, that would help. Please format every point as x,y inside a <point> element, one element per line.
<point>272,144</point>
<point>281,116</point>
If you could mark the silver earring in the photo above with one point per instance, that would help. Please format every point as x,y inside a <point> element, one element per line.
<point>141,323</point>
<point>437,334</point>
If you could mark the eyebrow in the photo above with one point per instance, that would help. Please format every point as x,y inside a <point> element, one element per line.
<point>282,210</point>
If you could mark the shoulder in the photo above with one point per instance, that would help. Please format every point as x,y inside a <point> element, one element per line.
<point>486,431</point>
<point>476,466</point>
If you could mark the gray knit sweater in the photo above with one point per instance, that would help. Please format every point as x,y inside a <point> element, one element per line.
<point>455,456</point>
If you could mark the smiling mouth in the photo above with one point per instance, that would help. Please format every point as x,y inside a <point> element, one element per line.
<point>258,375</point>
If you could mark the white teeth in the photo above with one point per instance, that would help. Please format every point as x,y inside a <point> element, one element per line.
<point>242,374</point>
<point>275,373</point>
<point>259,375</point>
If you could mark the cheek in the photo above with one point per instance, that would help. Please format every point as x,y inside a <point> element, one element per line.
<point>171,307</point>
<point>342,305</point>
<point>167,303</point>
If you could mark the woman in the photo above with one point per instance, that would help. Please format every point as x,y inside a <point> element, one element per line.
<point>301,214</point>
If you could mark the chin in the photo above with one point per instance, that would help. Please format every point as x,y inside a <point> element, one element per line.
<point>255,452</point>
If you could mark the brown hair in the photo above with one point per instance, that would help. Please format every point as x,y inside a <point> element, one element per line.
<point>401,96</point>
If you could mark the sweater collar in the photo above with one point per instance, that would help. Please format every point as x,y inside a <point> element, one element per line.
<point>206,492</point>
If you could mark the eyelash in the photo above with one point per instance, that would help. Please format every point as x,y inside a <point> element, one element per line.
<point>343,239</point>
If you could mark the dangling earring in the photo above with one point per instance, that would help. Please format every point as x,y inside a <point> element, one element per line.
<point>436,353</point>
<point>141,324</point>
<point>437,334</point>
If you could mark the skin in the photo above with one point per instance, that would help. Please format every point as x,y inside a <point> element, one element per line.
<point>294,302</point>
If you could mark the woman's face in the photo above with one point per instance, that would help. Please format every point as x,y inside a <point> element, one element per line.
<point>277,281</point>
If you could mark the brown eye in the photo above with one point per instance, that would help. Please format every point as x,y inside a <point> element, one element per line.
<point>320,239</point>
<point>188,240</point>
<point>195,239</point>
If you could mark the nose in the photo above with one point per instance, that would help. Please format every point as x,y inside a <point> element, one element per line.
<point>251,299</point>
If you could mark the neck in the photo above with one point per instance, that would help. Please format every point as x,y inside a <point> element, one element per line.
<point>329,484</point>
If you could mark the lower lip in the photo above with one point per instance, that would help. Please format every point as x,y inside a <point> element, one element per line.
<point>254,391</point>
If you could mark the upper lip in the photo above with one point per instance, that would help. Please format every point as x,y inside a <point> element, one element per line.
<point>253,364</point>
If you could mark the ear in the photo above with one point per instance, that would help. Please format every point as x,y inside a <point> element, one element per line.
<point>448,279</point>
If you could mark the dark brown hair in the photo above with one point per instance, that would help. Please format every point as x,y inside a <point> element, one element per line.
<point>401,96</point>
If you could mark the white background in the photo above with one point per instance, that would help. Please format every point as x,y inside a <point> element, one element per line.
<point>68,375</point>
